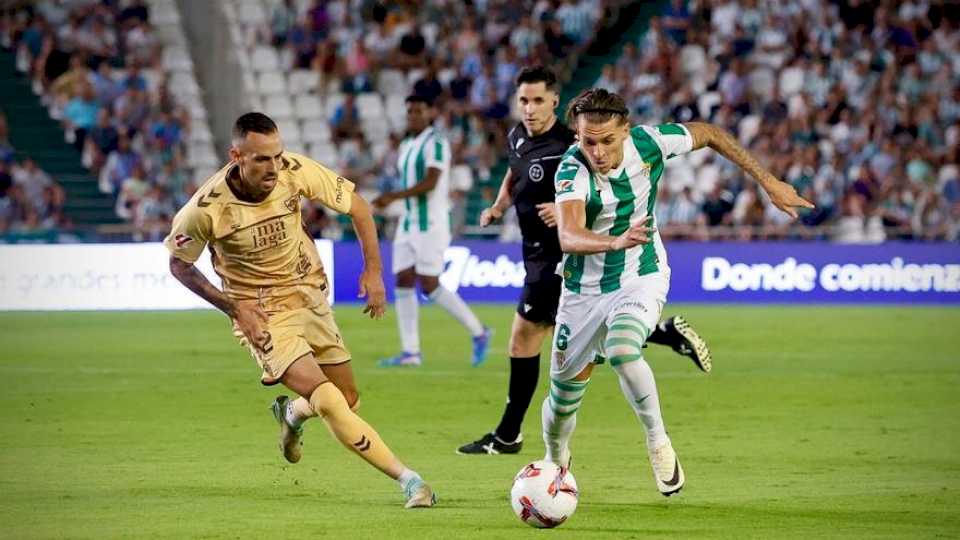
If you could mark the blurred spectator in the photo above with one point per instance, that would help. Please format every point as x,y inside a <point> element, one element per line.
<point>119,166</point>
<point>80,114</point>
<point>133,190</point>
<point>346,119</point>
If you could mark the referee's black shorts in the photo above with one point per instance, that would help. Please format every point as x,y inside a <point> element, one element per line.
<point>541,294</point>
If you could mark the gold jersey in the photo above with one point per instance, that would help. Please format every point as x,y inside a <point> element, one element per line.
<point>261,250</point>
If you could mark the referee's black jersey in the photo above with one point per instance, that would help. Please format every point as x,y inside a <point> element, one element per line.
<point>533,162</point>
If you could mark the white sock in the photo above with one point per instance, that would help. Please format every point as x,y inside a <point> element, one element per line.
<point>298,411</point>
<point>408,319</point>
<point>640,389</point>
<point>624,347</point>
<point>455,305</point>
<point>559,417</point>
<point>407,477</point>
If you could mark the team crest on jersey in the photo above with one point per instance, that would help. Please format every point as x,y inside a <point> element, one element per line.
<point>181,240</point>
<point>564,186</point>
<point>536,172</point>
<point>293,203</point>
<point>559,358</point>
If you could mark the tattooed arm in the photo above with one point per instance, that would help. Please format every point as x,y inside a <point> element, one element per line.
<point>781,194</point>
<point>250,318</point>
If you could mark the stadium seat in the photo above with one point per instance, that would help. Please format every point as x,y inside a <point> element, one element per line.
<point>303,81</point>
<point>164,17</point>
<point>171,35</point>
<point>271,82</point>
<point>396,110</point>
<point>202,155</point>
<point>289,130</point>
<point>325,153</point>
<point>264,58</point>
<point>177,59</point>
<point>375,129</point>
<point>278,106</point>
<point>370,106</point>
<point>200,133</point>
<point>182,83</point>
<point>251,12</point>
<point>308,107</point>
<point>391,82</point>
<point>316,131</point>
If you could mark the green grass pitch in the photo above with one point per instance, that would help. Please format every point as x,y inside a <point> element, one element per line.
<point>817,422</point>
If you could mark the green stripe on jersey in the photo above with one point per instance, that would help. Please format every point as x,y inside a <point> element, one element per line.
<point>615,261</point>
<point>670,129</point>
<point>403,181</point>
<point>651,155</point>
<point>420,167</point>
<point>574,266</point>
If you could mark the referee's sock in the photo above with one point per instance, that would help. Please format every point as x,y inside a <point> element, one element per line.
<point>523,383</point>
<point>455,305</point>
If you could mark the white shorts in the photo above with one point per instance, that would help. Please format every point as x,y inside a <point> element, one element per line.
<point>582,321</point>
<point>420,250</point>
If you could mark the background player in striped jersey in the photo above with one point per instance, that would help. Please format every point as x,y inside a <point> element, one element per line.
<point>423,234</point>
<point>535,147</point>
<point>615,272</point>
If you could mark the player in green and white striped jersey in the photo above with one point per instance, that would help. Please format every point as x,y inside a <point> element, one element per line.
<point>615,272</point>
<point>423,234</point>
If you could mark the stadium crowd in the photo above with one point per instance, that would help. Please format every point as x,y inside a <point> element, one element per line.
<point>30,199</point>
<point>96,66</point>
<point>462,55</point>
<point>857,104</point>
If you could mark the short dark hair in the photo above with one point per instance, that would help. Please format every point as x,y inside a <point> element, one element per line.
<point>535,74</point>
<point>419,98</point>
<point>599,105</point>
<point>253,122</point>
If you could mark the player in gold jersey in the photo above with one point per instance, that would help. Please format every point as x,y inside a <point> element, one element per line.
<point>274,287</point>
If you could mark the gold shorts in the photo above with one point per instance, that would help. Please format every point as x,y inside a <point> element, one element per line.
<point>293,334</point>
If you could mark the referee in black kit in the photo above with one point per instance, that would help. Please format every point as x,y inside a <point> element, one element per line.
<point>536,146</point>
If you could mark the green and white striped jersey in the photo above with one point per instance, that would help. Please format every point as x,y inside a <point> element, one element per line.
<point>623,196</point>
<point>431,211</point>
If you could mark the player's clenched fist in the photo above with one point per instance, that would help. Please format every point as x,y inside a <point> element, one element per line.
<point>371,287</point>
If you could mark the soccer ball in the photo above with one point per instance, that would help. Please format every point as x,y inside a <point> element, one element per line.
<point>544,495</point>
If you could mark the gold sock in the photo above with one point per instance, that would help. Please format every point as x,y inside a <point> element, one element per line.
<point>351,430</point>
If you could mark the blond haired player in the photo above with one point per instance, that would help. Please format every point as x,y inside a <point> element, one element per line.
<point>274,287</point>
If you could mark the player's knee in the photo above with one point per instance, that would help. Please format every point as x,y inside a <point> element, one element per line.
<point>622,352</point>
<point>353,398</point>
<point>328,400</point>
<point>407,279</point>
<point>523,345</point>
<point>428,284</point>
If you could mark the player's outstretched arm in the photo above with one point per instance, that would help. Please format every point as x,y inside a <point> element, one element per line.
<point>577,239</point>
<point>371,279</point>
<point>250,318</point>
<point>424,186</point>
<point>781,194</point>
<point>500,205</point>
